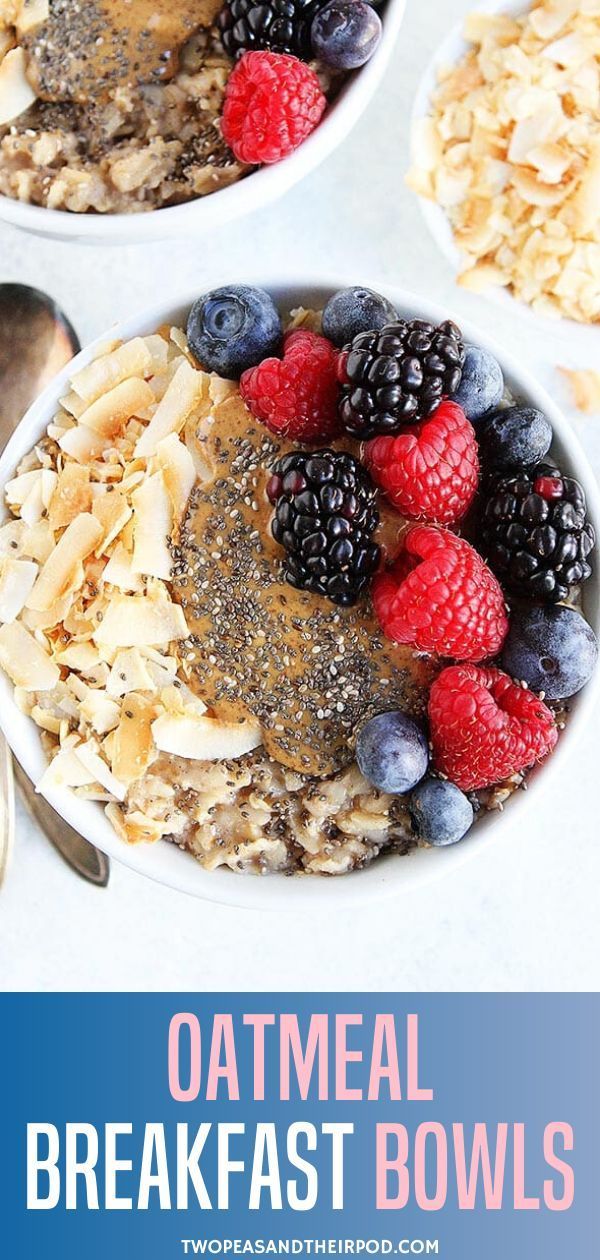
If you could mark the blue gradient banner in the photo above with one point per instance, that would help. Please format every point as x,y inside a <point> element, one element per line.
<point>163,1126</point>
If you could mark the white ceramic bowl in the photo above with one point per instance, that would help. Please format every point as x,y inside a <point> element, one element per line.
<point>388,876</point>
<point>450,51</point>
<point>263,186</point>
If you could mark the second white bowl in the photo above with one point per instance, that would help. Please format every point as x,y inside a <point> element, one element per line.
<point>451,50</point>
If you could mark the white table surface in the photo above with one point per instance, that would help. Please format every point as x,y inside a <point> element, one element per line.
<point>523,917</point>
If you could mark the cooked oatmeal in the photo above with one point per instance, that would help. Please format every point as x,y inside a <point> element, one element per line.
<point>134,126</point>
<point>140,149</point>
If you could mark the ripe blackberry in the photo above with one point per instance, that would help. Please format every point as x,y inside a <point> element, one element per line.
<point>325,514</point>
<point>536,535</point>
<point>281,26</point>
<point>398,375</point>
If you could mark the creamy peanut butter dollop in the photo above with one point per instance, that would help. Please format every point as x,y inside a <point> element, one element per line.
<point>88,48</point>
<point>307,670</point>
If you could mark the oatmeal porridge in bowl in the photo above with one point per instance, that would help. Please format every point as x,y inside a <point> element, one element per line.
<point>113,109</point>
<point>295,583</point>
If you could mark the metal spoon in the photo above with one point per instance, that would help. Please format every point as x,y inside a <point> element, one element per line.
<point>36,341</point>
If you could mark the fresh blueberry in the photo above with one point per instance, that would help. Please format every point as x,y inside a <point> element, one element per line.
<point>515,437</point>
<point>345,33</point>
<point>392,752</point>
<point>482,383</point>
<point>552,649</point>
<point>233,328</point>
<point>441,813</point>
<point>353,311</point>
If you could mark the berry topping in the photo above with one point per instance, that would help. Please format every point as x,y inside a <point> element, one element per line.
<point>552,649</point>
<point>440,812</point>
<point>296,396</point>
<point>392,752</point>
<point>429,472</point>
<point>482,384</point>
<point>345,33</point>
<point>353,311</point>
<point>440,597</point>
<point>515,437</point>
<point>536,534</point>
<point>399,374</point>
<point>485,728</point>
<point>325,514</point>
<point>272,103</point>
<point>233,328</point>
<point>282,26</point>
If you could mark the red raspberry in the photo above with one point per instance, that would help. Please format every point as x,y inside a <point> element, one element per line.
<point>484,727</point>
<point>441,597</point>
<point>296,396</point>
<point>272,103</point>
<point>430,471</point>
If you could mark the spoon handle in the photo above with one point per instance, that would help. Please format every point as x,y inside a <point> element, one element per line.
<point>78,853</point>
<point>7,806</point>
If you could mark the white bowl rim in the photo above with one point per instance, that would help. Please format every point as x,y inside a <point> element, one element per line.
<point>259,188</point>
<point>389,875</point>
<point>448,52</point>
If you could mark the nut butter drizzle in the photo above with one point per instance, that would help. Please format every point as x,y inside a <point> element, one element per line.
<point>87,49</point>
<point>307,670</point>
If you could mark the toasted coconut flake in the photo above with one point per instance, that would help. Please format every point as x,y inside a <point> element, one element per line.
<point>219,390</point>
<point>50,617</point>
<point>16,582</point>
<point>119,571</point>
<point>72,495</point>
<point>133,358</point>
<point>204,739</point>
<point>196,433</point>
<point>179,339</point>
<point>112,511</point>
<point>65,770</point>
<point>585,388</point>
<point>135,827</point>
<point>158,349</point>
<point>78,540</point>
<point>31,14</point>
<point>129,673</point>
<point>73,404</point>
<point>109,414</point>
<point>162,669</point>
<point>100,712</point>
<point>82,444</point>
<point>7,41</point>
<point>139,621</point>
<point>89,754</point>
<point>25,661</point>
<point>134,748</point>
<point>45,719</point>
<point>182,395</point>
<point>32,509</point>
<point>178,470</point>
<point>84,657</point>
<point>11,538</point>
<point>17,490</point>
<point>152,527</point>
<point>586,199</point>
<point>181,701</point>
<point>38,542</point>
<point>16,93</point>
